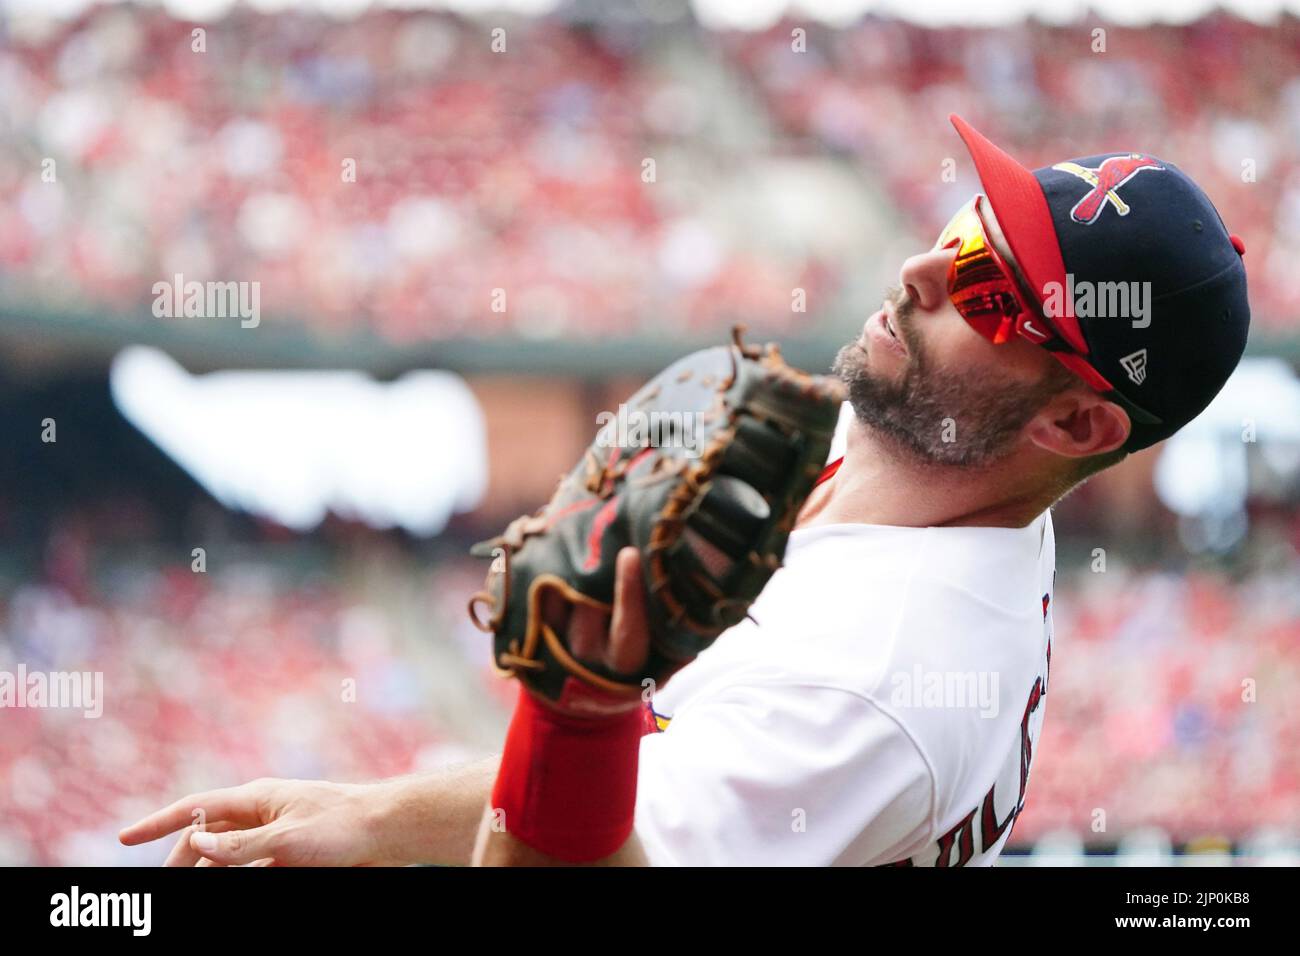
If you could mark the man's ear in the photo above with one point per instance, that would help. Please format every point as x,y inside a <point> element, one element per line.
<point>1079,423</point>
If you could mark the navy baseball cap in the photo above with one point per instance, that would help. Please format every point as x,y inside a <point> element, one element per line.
<point>1133,266</point>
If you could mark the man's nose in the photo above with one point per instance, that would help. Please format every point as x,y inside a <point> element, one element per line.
<point>924,278</point>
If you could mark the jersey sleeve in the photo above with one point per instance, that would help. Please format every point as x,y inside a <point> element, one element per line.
<point>790,774</point>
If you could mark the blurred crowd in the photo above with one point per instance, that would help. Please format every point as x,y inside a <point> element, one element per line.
<point>1170,706</point>
<point>397,174</point>
<point>394,175</point>
<point>209,680</point>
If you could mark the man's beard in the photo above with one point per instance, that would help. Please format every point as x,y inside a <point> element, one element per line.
<point>935,416</point>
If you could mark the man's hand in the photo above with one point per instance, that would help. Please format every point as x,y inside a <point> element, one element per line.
<point>619,640</point>
<point>429,818</point>
<point>424,818</point>
<point>285,822</point>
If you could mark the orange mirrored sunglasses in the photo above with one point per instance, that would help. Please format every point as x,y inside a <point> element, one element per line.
<point>987,292</point>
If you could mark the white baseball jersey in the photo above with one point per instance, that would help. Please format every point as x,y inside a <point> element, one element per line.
<point>881,707</point>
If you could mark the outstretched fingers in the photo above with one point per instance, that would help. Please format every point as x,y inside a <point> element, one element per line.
<point>239,805</point>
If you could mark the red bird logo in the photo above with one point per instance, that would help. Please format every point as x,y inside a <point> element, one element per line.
<point>1105,180</point>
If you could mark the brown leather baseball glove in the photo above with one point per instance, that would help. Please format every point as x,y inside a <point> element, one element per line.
<point>704,472</point>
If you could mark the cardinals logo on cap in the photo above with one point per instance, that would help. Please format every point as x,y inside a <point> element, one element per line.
<point>1105,180</point>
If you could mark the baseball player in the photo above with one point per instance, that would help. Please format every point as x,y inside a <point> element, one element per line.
<point>883,702</point>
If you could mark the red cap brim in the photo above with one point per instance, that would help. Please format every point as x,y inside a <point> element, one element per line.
<point>1026,221</point>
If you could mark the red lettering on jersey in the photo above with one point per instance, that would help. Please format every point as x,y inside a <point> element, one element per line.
<point>991,829</point>
<point>963,834</point>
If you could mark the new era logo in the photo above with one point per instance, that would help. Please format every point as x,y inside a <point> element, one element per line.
<point>1136,366</point>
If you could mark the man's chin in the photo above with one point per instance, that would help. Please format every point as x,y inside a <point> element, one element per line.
<point>852,362</point>
<point>865,385</point>
<point>909,413</point>
<point>888,407</point>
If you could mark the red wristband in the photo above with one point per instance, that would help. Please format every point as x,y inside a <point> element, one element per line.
<point>567,784</point>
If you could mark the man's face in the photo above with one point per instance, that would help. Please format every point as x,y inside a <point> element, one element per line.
<point>928,383</point>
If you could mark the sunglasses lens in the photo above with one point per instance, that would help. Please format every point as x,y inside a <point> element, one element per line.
<point>977,286</point>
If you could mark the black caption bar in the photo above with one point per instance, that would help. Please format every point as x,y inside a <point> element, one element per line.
<point>362,907</point>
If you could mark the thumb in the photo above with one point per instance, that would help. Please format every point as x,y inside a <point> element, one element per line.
<point>234,847</point>
<point>629,631</point>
